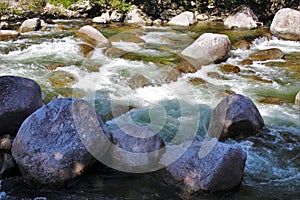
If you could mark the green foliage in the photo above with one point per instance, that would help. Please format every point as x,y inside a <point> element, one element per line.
<point>64,3</point>
<point>32,5</point>
<point>4,8</point>
<point>122,5</point>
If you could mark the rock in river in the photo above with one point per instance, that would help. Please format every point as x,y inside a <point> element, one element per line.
<point>183,19</point>
<point>207,167</point>
<point>297,99</point>
<point>243,19</point>
<point>207,49</point>
<point>267,54</point>
<point>285,24</point>
<point>235,116</point>
<point>8,34</point>
<point>30,25</point>
<point>19,97</point>
<point>50,147</point>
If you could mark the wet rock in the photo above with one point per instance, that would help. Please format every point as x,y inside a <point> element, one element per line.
<point>257,78</point>
<point>6,164</point>
<point>103,19</point>
<point>5,142</point>
<point>235,116</point>
<point>86,50</point>
<point>297,99</point>
<point>138,81</point>
<point>135,16</point>
<point>185,67</point>
<point>198,81</point>
<point>114,52</point>
<point>271,100</point>
<point>92,36</point>
<point>215,75</point>
<point>4,26</point>
<point>183,19</point>
<point>30,25</point>
<point>8,34</point>
<point>268,54</point>
<point>157,22</point>
<point>19,97</point>
<point>129,139</point>
<point>58,11</point>
<point>285,24</point>
<point>117,16</point>
<point>207,49</point>
<point>246,62</point>
<point>229,69</point>
<point>201,16</point>
<point>243,45</point>
<point>243,19</point>
<point>172,76</point>
<point>207,167</point>
<point>61,78</point>
<point>51,145</point>
<point>54,66</point>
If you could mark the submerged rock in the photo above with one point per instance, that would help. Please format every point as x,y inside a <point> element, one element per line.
<point>243,19</point>
<point>50,147</point>
<point>297,99</point>
<point>229,69</point>
<point>285,24</point>
<point>207,167</point>
<point>235,116</point>
<point>183,19</point>
<point>19,97</point>
<point>207,49</point>
<point>30,25</point>
<point>61,78</point>
<point>92,36</point>
<point>8,34</point>
<point>138,81</point>
<point>268,54</point>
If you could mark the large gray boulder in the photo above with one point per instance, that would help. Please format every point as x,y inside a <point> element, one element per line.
<point>183,19</point>
<point>135,16</point>
<point>30,25</point>
<point>243,19</point>
<point>134,149</point>
<point>50,147</point>
<point>207,49</point>
<point>92,36</point>
<point>285,24</point>
<point>207,167</point>
<point>235,116</point>
<point>19,97</point>
<point>8,34</point>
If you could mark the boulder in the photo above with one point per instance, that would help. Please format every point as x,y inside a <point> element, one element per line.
<point>297,99</point>
<point>183,19</point>
<point>243,19</point>
<point>138,81</point>
<point>51,145</point>
<point>30,25</point>
<point>8,34</point>
<point>135,149</point>
<point>229,69</point>
<point>117,16</point>
<point>267,54</point>
<point>135,16</point>
<point>92,36</point>
<point>285,24</point>
<point>103,19</point>
<point>19,97</point>
<point>207,167</point>
<point>4,26</point>
<point>207,49</point>
<point>58,11</point>
<point>235,116</point>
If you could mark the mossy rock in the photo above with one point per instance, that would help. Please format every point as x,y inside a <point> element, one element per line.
<point>138,81</point>
<point>246,62</point>
<point>54,66</point>
<point>215,75</point>
<point>86,50</point>
<point>268,54</point>
<point>185,67</point>
<point>229,69</point>
<point>61,78</point>
<point>243,45</point>
<point>271,100</point>
<point>198,81</point>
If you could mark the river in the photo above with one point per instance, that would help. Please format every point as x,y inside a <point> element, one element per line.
<point>53,59</point>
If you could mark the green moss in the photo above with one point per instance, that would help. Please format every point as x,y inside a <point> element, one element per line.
<point>64,3</point>
<point>4,8</point>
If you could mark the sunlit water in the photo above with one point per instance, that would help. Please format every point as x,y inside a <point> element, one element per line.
<point>273,162</point>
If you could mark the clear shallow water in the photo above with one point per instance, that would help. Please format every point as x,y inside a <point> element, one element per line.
<point>272,167</point>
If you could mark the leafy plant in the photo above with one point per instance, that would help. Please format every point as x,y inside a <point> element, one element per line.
<point>32,5</point>
<point>122,5</point>
<point>64,3</point>
<point>4,8</point>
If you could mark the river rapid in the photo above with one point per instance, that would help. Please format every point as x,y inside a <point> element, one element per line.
<point>54,60</point>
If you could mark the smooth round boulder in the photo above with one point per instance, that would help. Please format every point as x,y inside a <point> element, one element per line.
<point>51,145</point>
<point>297,99</point>
<point>19,97</point>
<point>285,24</point>
<point>207,49</point>
<point>30,25</point>
<point>8,34</point>
<point>235,116</point>
<point>183,19</point>
<point>243,19</point>
<point>208,166</point>
<point>92,36</point>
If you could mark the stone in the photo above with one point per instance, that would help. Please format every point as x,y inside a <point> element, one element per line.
<point>114,52</point>
<point>54,66</point>
<point>183,19</point>
<point>267,54</point>
<point>285,24</point>
<point>243,45</point>
<point>257,78</point>
<point>117,16</point>
<point>157,22</point>
<point>5,142</point>
<point>92,37</point>
<point>6,164</point>
<point>215,75</point>
<point>270,100</point>
<point>8,34</point>
<point>86,50</point>
<point>129,139</point>
<point>185,67</point>
<point>4,26</point>
<point>202,16</point>
<point>243,19</point>
<point>51,145</point>
<point>208,48</point>
<point>138,81</point>
<point>246,62</point>
<point>229,69</point>
<point>235,116</point>
<point>172,76</point>
<point>58,11</point>
<point>19,97</point>
<point>208,166</point>
<point>297,99</point>
<point>135,16</point>
<point>198,81</point>
<point>30,25</point>
<point>103,19</point>
<point>61,79</point>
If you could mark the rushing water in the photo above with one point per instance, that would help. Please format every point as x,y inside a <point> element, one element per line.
<point>273,164</point>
